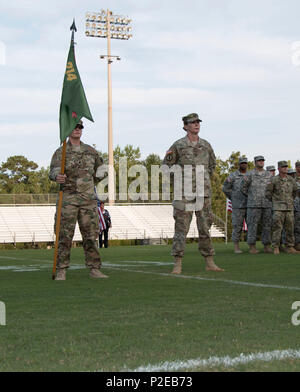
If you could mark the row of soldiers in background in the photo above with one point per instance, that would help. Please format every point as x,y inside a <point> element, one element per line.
<point>260,196</point>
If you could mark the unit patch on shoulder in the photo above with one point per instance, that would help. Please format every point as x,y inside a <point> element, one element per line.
<point>169,155</point>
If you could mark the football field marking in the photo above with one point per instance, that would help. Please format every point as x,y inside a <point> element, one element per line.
<point>115,266</point>
<point>236,282</point>
<point>242,359</point>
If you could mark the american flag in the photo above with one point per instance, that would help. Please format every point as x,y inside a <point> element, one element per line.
<point>229,208</point>
<point>228,205</point>
<point>102,223</point>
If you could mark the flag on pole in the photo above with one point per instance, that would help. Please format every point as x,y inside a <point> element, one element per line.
<point>102,223</point>
<point>228,205</point>
<point>74,104</point>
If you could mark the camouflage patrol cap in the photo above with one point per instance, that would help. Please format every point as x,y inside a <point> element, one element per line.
<point>191,118</point>
<point>259,158</point>
<point>270,168</point>
<point>243,160</point>
<point>283,164</point>
<point>291,171</point>
<point>297,164</point>
<point>80,123</point>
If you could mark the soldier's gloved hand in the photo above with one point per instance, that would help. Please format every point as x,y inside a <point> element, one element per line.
<point>61,178</point>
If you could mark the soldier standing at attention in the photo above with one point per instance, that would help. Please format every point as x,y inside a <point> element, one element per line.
<point>192,150</point>
<point>79,202</point>
<point>292,173</point>
<point>232,190</point>
<point>258,207</point>
<point>271,169</point>
<point>297,208</point>
<point>282,190</point>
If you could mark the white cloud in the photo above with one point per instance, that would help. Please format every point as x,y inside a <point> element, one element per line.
<point>201,42</point>
<point>30,102</point>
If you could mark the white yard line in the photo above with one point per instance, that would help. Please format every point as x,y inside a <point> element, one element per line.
<point>22,259</point>
<point>105,263</point>
<point>121,266</point>
<point>242,359</point>
<point>236,282</point>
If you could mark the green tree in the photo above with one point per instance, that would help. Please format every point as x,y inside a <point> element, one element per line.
<point>17,175</point>
<point>133,155</point>
<point>152,160</point>
<point>42,182</point>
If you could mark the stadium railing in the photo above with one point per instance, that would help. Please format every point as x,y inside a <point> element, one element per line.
<point>33,222</point>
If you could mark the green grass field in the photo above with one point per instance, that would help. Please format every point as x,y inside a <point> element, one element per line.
<point>144,316</point>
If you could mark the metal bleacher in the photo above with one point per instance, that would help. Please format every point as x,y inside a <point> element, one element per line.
<point>35,223</point>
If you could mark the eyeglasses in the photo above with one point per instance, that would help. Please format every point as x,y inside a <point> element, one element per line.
<point>79,126</point>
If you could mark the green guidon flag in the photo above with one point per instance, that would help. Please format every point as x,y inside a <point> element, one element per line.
<point>73,104</point>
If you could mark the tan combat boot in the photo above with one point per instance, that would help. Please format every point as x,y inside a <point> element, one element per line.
<point>96,273</point>
<point>297,247</point>
<point>237,248</point>
<point>276,250</point>
<point>177,266</point>
<point>253,250</point>
<point>291,250</point>
<point>210,264</point>
<point>267,249</point>
<point>60,274</point>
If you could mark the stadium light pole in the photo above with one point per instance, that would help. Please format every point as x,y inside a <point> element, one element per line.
<point>105,24</point>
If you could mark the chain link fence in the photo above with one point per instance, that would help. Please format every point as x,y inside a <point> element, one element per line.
<point>27,198</point>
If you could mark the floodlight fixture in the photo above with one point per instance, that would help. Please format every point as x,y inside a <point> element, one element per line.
<point>108,22</point>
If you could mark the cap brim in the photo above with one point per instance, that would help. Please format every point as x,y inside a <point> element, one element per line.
<point>196,119</point>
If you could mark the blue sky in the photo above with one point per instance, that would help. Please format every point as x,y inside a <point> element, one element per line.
<point>236,63</point>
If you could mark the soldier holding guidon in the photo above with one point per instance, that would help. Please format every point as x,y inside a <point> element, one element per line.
<point>79,202</point>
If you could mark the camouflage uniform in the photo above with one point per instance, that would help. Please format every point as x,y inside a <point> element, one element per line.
<point>282,192</point>
<point>258,207</point>
<point>79,202</point>
<point>232,190</point>
<point>297,214</point>
<point>291,172</point>
<point>184,152</point>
